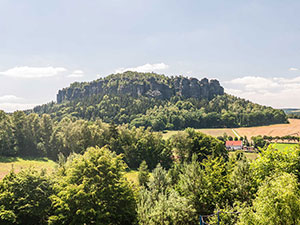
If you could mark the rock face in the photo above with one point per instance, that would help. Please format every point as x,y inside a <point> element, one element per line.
<point>143,84</point>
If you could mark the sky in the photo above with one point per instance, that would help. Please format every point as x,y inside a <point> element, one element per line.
<point>251,47</point>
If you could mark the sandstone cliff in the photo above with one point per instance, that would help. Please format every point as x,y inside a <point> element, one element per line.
<point>143,84</point>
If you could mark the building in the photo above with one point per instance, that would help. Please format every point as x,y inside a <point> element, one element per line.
<point>234,145</point>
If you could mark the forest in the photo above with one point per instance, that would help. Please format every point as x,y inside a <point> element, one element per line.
<point>160,102</point>
<point>179,179</point>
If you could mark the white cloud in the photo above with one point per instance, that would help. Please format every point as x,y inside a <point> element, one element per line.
<point>293,69</point>
<point>255,83</point>
<point>11,107</point>
<point>9,98</point>
<point>145,68</point>
<point>276,91</point>
<point>33,72</point>
<point>11,103</point>
<point>76,73</point>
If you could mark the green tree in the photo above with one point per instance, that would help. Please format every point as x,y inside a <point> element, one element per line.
<point>161,204</point>
<point>143,175</point>
<point>92,189</point>
<point>205,185</point>
<point>242,182</point>
<point>258,141</point>
<point>191,142</point>
<point>7,138</point>
<point>277,202</point>
<point>25,198</point>
<point>275,161</point>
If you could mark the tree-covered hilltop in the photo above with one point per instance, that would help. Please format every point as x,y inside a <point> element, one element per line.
<point>158,101</point>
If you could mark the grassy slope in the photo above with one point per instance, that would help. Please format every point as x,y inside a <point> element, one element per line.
<point>17,163</point>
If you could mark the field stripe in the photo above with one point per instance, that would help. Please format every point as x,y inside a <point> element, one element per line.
<point>236,133</point>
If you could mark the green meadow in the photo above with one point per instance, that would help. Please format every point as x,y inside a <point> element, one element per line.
<point>20,163</point>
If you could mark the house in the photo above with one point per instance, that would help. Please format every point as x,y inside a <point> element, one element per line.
<point>234,145</point>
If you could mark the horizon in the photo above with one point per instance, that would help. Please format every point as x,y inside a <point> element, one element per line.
<point>251,47</point>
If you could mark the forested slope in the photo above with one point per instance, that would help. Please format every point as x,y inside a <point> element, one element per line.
<point>158,101</point>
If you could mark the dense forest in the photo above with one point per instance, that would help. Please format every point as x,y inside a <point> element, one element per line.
<point>160,102</point>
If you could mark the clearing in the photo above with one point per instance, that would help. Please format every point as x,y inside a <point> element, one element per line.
<point>18,164</point>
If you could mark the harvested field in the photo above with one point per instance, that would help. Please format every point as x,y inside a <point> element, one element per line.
<point>213,132</point>
<point>217,132</point>
<point>293,128</point>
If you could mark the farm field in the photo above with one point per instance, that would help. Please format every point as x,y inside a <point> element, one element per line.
<point>293,128</point>
<point>18,164</point>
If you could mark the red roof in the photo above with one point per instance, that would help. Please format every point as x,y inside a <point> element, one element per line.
<point>234,143</point>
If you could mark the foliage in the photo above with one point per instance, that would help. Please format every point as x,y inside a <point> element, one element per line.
<point>258,142</point>
<point>25,198</point>
<point>91,189</point>
<point>205,188</point>
<point>161,204</point>
<point>191,142</point>
<point>273,161</point>
<point>143,175</point>
<point>277,202</point>
<point>242,182</point>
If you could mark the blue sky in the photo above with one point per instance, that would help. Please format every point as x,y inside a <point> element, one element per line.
<point>252,47</point>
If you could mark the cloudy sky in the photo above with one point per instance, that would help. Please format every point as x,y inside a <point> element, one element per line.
<point>252,47</point>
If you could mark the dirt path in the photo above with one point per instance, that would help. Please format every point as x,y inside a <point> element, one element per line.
<point>236,133</point>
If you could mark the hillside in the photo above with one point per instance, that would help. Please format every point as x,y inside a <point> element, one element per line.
<point>149,99</point>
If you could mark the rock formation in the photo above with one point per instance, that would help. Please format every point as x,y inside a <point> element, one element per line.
<point>143,84</point>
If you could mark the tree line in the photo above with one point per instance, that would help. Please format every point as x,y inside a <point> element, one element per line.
<point>31,135</point>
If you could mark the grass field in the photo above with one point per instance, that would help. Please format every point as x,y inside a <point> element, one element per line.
<point>17,163</point>
<point>282,146</point>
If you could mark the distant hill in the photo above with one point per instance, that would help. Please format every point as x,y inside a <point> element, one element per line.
<point>292,113</point>
<point>149,99</point>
